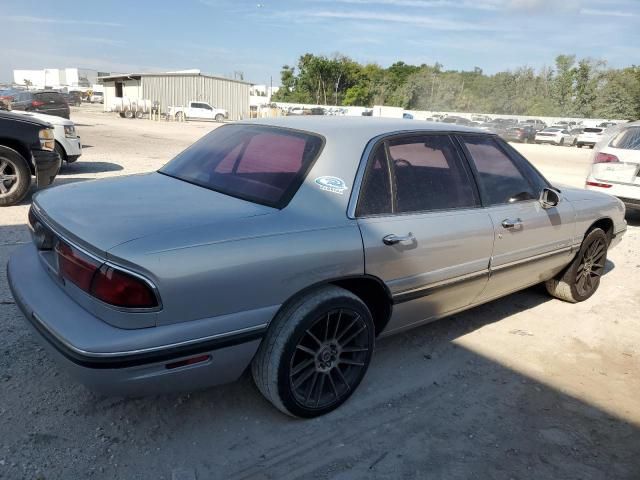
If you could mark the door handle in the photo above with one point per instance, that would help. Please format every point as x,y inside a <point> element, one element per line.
<point>392,238</point>
<point>509,223</point>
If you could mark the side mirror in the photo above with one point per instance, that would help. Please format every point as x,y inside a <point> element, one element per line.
<point>549,198</point>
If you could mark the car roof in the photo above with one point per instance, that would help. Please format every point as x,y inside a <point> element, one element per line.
<point>360,127</point>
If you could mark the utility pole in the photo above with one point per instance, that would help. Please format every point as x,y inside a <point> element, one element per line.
<point>337,85</point>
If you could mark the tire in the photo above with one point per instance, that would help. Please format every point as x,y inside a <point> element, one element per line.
<point>129,114</point>
<point>219,118</point>
<point>581,278</point>
<point>579,145</point>
<point>561,142</point>
<point>15,177</point>
<point>121,114</point>
<point>180,117</point>
<point>302,366</point>
<point>139,115</point>
<point>60,151</point>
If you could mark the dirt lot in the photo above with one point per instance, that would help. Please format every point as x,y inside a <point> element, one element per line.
<point>523,387</point>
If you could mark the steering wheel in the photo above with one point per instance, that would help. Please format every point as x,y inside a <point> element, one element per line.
<point>401,162</point>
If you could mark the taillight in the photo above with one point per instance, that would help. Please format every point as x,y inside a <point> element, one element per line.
<point>75,266</point>
<point>602,157</point>
<point>598,184</point>
<point>121,289</point>
<point>37,103</point>
<point>102,281</point>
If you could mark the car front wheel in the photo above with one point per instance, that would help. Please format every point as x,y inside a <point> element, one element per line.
<point>15,177</point>
<point>316,352</point>
<point>581,278</point>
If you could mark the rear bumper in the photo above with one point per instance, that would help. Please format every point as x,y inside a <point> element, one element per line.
<point>105,364</point>
<point>47,165</point>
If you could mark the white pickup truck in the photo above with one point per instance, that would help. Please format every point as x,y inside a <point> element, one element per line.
<point>198,110</point>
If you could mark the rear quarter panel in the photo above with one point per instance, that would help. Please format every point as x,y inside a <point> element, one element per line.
<point>213,278</point>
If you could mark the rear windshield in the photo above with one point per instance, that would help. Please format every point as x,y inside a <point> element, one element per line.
<point>628,139</point>
<point>257,163</point>
<point>593,130</point>
<point>49,97</point>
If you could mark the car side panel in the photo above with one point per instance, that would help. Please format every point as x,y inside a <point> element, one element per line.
<point>444,269</point>
<point>220,278</point>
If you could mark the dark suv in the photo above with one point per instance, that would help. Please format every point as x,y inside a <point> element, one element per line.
<point>42,101</point>
<point>27,147</point>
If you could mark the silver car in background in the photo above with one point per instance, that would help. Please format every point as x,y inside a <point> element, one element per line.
<point>289,245</point>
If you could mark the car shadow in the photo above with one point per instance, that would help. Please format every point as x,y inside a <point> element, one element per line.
<point>88,167</point>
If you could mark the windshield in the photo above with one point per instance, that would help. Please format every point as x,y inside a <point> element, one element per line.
<point>257,163</point>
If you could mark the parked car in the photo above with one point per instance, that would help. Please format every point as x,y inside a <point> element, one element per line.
<point>68,144</point>
<point>296,111</point>
<point>537,124</point>
<point>590,136</point>
<point>49,102</point>
<point>96,97</point>
<point>607,124</point>
<point>249,249</point>
<point>27,147</point>
<point>522,134</point>
<point>555,135</point>
<point>199,111</point>
<point>616,165</point>
<point>317,111</point>
<point>74,98</point>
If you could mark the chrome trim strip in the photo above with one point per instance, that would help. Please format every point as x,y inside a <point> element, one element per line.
<point>534,258</point>
<point>412,294</point>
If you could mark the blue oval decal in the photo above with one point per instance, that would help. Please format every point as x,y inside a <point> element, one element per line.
<point>332,184</point>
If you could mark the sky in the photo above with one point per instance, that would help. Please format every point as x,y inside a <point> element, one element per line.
<point>258,37</point>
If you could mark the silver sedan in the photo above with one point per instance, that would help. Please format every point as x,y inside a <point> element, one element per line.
<point>290,245</point>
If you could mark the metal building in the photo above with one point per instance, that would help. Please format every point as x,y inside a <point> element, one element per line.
<point>176,89</point>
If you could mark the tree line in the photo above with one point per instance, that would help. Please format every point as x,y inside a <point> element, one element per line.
<point>571,88</point>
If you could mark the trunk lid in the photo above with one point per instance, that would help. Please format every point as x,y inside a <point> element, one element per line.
<point>99,215</point>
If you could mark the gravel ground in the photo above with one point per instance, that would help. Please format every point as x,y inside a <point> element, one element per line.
<point>523,387</point>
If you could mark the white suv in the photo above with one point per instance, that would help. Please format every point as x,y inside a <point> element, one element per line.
<point>616,166</point>
<point>590,136</point>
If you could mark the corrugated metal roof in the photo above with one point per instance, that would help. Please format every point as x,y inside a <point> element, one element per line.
<point>137,76</point>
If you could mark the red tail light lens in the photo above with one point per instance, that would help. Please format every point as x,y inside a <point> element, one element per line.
<point>598,184</point>
<point>102,281</point>
<point>121,289</point>
<point>75,266</point>
<point>37,103</point>
<point>605,158</point>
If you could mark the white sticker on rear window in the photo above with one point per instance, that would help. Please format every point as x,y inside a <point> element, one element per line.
<point>332,184</point>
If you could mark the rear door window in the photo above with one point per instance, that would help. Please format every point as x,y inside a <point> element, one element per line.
<point>430,174</point>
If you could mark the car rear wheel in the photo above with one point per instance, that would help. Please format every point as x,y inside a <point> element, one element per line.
<point>15,177</point>
<point>219,117</point>
<point>582,277</point>
<point>316,352</point>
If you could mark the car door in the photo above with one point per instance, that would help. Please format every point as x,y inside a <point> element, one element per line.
<point>197,111</point>
<point>424,232</point>
<point>532,243</point>
<point>207,111</point>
